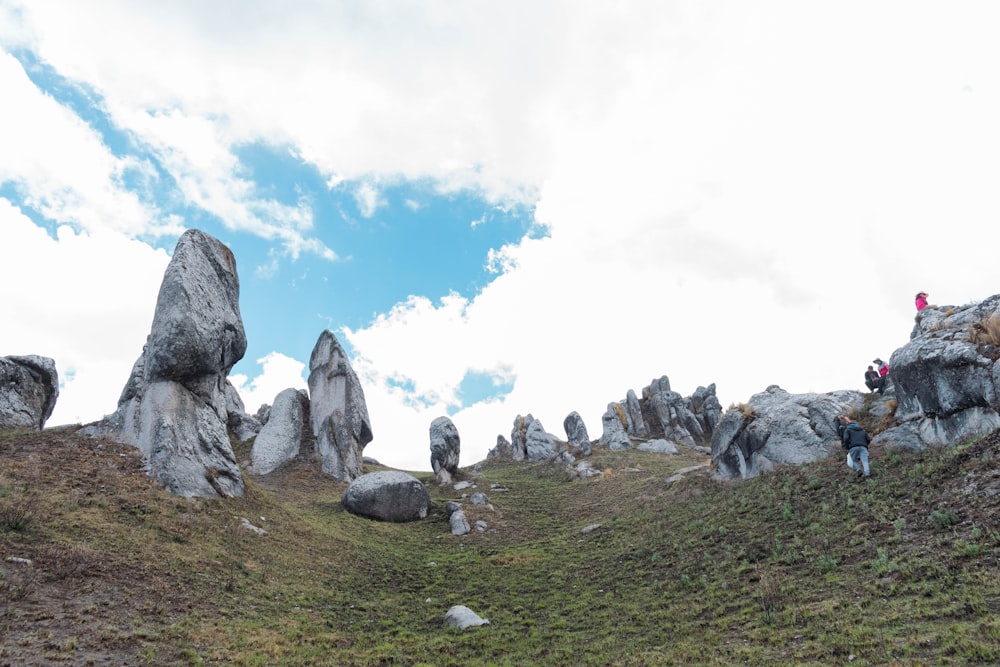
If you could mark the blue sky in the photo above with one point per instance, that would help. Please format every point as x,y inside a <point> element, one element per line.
<point>499,208</point>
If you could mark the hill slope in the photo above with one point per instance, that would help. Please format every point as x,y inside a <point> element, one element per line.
<point>806,565</point>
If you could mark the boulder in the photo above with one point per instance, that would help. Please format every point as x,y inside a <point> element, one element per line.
<point>445,449</point>
<point>387,495</point>
<point>529,440</point>
<point>576,433</point>
<point>502,450</point>
<point>946,378</point>
<point>459,523</point>
<point>613,421</point>
<point>280,438</point>
<point>29,387</point>
<point>462,617</point>
<point>338,413</point>
<point>657,446</point>
<point>175,405</point>
<point>777,427</point>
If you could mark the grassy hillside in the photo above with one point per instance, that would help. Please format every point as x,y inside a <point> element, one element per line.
<point>806,565</point>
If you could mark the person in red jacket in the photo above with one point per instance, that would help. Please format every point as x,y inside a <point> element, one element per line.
<point>920,301</point>
<point>883,371</point>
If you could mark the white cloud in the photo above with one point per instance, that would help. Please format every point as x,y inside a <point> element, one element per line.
<point>89,306</point>
<point>61,165</point>
<point>368,199</point>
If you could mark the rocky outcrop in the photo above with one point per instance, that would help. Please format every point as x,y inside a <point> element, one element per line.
<point>947,378</point>
<point>529,441</point>
<point>445,449</point>
<point>576,433</point>
<point>175,405</point>
<point>339,415</point>
<point>663,413</point>
<point>502,450</point>
<point>280,438</point>
<point>29,387</point>
<point>777,427</point>
<point>613,423</point>
<point>387,495</point>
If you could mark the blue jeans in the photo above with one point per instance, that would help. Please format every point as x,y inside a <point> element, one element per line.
<point>858,454</point>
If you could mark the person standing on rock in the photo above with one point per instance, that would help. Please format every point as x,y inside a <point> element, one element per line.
<point>856,441</point>
<point>920,301</point>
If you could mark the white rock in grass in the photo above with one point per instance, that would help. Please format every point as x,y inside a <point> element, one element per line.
<point>462,617</point>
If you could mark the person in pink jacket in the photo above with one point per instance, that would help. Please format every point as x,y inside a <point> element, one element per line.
<point>921,301</point>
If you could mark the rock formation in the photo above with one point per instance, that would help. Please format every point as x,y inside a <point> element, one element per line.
<point>462,617</point>
<point>576,433</point>
<point>280,438</point>
<point>779,427</point>
<point>947,378</point>
<point>613,423</point>
<point>387,495</point>
<point>29,387</point>
<point>339,415</point>
<point>445,449</point>
<point>663,413</point>
<point>175,404</point>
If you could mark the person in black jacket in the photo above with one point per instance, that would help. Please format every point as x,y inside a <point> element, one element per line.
<point>856,441</point>
<point>871,378</point>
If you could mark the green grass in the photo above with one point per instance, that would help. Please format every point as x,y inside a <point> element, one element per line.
<point>805,565</point>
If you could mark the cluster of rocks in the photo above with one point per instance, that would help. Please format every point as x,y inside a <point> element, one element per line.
<point>29,387</point>
<point>945,389</point>
<point>659,421</point>
<point>662,414</point>
<point>179,408</point>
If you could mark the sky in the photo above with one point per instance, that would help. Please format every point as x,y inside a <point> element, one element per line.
<point>499,208</point>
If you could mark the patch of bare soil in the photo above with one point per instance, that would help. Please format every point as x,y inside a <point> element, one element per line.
<point>75,604</point>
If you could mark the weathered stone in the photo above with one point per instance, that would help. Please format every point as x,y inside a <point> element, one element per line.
<point>576,433</point>
<point>538,444</point>
<point>174,406</point>
<point>658,446</point>
<point>946,380</point>
<point>462,617</point>
<point>613,434</point>
<point>779,428</point>
<point>339,414</point>
<point>197,329</point>
<point>387,495</point>
<point>280,438</point>
<point>479,498</point>
<point>29,387</point>
<point>636,424</point>
<point>502,450</point>
<point>445,449</point>
<point>459,523</point>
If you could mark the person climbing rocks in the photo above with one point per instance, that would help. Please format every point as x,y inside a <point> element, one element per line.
<point>856,441</point>
<point>921,301</point>
<point>871,378</point>
<point>840,424</point>
<point>883,372</point>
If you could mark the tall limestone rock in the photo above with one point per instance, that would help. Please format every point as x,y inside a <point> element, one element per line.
<point>445,449</point>
<point>174,406</point>
<point>280,439</point>
<point>338,413</point>
<point>29,387</point>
